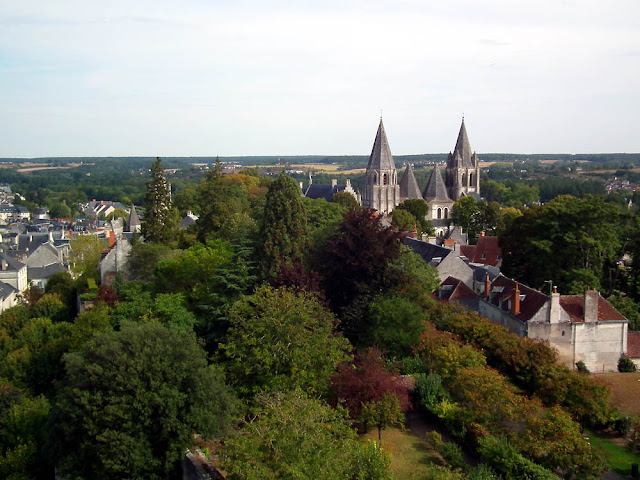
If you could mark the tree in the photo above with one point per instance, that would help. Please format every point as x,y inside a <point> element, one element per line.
<point>383,413</point>
<point>356,265</point>
<point>85,255</point>
<point>366,379</point>
<point>291,435</point>
<point>403,221</point>
<point>466,214</point>
<point>159,222</point>
<point>284,227</point>
<point>132,401</point>
<point>345,199</point>
<point>419,209</point>
<point>281,339</point>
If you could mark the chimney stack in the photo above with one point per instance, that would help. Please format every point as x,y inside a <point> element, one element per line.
<point>554,309</point>
<point>334,183</point>
<point>487,287</point>
<point>515,301</point>
<point>591,300</point>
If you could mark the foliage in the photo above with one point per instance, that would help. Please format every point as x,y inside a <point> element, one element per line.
<point>281,339</point>
<point>159,222</point>
<point>143,258</point>
<point>356,265</point>
<point>419,209</point>
<point>383,413</point>
<point>429,390</point>
<point>366,379</point>
<point>403,221</point>
<point>394,325</point>
<point>132,400</point>
<point>575,242</point>
<point>85,255</point>
<point>52,307</point>
<point>625,365</point>
<point>291,435</point>
<point>581,367</point>
<point>628,308</point>
<point>346,200</point>
<point>62,284</point>
<point>506,460</point>
<point>284,227</point>
<point>466,214</point>
<point>452,453</point>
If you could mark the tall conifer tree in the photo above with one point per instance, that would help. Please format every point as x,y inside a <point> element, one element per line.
<point>158,219</point>
<point>284,228</point>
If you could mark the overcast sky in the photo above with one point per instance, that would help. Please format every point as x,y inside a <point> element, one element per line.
<point>218,77</point>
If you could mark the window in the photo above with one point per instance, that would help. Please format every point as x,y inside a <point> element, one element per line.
<point>471,179</point>
<point>484,255</point>
<point>385,179</point>
<point>446,213</point>
<point>439,213</point>
<point>375,178</point>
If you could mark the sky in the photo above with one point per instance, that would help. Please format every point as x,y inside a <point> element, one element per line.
<point>225,77</point>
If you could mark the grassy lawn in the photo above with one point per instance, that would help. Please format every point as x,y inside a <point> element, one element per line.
<point>410,456</point>
<point>620,458</point>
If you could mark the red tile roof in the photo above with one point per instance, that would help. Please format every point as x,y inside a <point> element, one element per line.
<point>574,306</point>
<point>532,302</point>
<point>486,251</point>
<point>459,290</point>
<point>633,345</point>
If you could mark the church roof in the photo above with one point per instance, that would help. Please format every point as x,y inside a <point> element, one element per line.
<point>409,188</point>
<point>463,148</point>
<point>381,158</point>
<point>134,220</point>
<point>436,189</point>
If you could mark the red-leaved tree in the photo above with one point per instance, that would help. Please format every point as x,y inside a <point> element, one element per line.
<point>366,380</point>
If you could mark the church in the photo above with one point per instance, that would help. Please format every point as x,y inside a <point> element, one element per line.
<point>383,192</point>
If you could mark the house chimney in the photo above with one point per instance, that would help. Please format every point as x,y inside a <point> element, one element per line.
<point>348,185</point>
<point>112,238</point>
<point>334,183</point>
<point>591,300</point>
<point>554,307</point>
<point>482,233</point>
<point>515,301</point>
<point>487,287</point>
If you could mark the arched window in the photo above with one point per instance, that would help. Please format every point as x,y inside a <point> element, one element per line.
<point>446,213</point>
<point>439,213</point>
<point>375,178</point>
<point>385,179</point>
<point>471,179</point>
<point>464,179</point>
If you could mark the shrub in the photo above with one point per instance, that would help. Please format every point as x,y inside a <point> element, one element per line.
<point>506,460</point>
<point>581,367</point>
<point>626,365</point>
<point>434,439</point>
<point>452,454</point>
<point>429,390</point>
<point>482,472</point>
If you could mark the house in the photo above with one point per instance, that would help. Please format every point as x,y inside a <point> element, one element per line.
<point>39,276</point>
<point>446,261</point>
<point>315,191</point>
<point>580,327</point>
<point>13,272</point>
<point>486,251</point>
<point>188,220</point>
<point>115,261</point>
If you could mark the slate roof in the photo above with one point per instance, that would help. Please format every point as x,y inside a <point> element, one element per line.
<point>134,219</point>
<point>381,158</point>
<point>463,148</point>
<point>633,344</point>
<point>6,290</point>
<point>315,191</point>
<point>45,272</point>
<point>436,189</point>
<point>428,251</point>
<point>574,306</point>
<point>12,263</point>
<point>409,188</point>
<point>188,220</point>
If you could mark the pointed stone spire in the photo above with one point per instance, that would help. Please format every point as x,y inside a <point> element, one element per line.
<point>381,158</point>
<point>463,148</point>
<point>133,224</point>
<point>436,189</point>
<point>409,188</point>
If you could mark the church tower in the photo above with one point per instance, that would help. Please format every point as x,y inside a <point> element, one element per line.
<point>463,170</point>
<point>381,191</point>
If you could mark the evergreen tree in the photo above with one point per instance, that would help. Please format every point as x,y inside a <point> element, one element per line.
<point>157,226</point>
<point>284,227</point>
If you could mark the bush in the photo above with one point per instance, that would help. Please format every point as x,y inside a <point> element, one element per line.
<point>482,472</point>
<point>506,460</point>
<point>452,454</point>
<point>429,390</point>
<point>581,367</point>
<point>434,439</point>
<point>626,365</point>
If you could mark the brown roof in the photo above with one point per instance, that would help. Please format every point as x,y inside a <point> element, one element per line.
<point>459,290</point>
<point>487,251</point>
<point>502,288</point>
<point>574,306</point>
<point>633,345</point>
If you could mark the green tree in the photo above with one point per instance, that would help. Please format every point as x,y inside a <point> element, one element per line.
<point>132,401</point>
<point>466,214</point>
<point>281,339</point>
<point>293,436</point>
<point>419,209</point>
<point>403,220</point>
<point>383,413</point>
<point>159,223</point>
<point>85,255</point>
<point>345,199</point>
<point>284,227</point>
